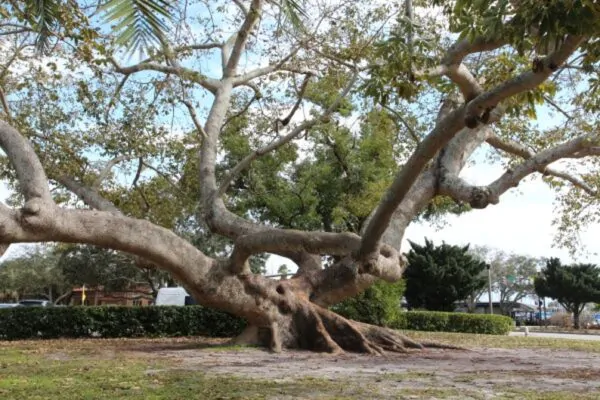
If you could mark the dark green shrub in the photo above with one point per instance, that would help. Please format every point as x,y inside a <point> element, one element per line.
<point>79,322</point>
<point>378,305</point>
<point>110,322</point>
<point>436,321</point>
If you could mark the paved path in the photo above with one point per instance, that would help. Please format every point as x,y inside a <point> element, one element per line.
<point>559,335</point>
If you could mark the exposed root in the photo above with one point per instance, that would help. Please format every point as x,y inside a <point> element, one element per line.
<point>298,323</point>
<point>395,341</point>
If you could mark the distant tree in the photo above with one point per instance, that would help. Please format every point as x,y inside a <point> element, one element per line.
<point>512,275</point>
<point>283,270</point>
<point>573,286</point>
<point>95,266</point>
<point>34,274</point>
<point>438,276</point>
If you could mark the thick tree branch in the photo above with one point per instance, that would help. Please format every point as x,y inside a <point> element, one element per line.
<point>425,151</point>
<point>242,38</point>
<point>278,66</point>
<point>482,196</point>
<point>276,240</point>
<point>445,131</point>
<point>33,182</point>
<point>525,81</point>
<point>89,196</point>
<point>452,66</point>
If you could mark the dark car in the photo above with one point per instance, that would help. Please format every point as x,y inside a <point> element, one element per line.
<point>35,303</point>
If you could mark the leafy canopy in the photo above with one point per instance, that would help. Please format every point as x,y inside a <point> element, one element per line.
<point>439,276</point>
<point>573,286</point>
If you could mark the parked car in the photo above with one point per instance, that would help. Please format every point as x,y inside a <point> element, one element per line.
<point>173,296</point>
<point>35,303</point>
<point>8,305</point>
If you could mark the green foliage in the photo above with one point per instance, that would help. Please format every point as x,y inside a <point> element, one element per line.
<point>293,11</point>
<point>454,322</point>
<point>379,304</point>
<point>333,190</point>
<point>438,276</point>
<point>573,286</point>
<point>34,274</point>
<point>22,323</point>
<point>95,266</point>
<point>141,24</point>
<point>109,322</point>
<point>543,24</point>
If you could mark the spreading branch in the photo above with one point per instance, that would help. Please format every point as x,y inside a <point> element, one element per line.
<point>89,196</point>
<point>525,81</point>
<point>208,83</point>
<point>194,117</point>
<point>512,147</point>
<point>482,196</point>
<point>108,168</point>
<point>447,128</point>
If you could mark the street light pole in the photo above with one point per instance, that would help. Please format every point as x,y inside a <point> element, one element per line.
<point>490,288</point>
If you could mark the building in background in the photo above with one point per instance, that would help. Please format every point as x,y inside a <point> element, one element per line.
<point>135,296</point>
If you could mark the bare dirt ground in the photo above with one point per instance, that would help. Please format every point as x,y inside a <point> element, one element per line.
<point>433,374</point>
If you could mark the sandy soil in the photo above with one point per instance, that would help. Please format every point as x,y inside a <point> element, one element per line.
<point>475,374</point>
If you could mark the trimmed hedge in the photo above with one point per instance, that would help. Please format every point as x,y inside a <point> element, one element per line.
<point>437,321</point>
<point>111,322</point>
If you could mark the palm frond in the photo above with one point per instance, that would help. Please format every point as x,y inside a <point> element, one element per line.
<point>293,11</point>
<point>141,24</point>
<point>44,20</point>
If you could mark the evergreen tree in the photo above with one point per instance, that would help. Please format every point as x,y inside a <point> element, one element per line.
<point>438,276</point>
<point>573,286</point>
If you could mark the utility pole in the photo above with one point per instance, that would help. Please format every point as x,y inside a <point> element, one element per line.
<point>490,288</point>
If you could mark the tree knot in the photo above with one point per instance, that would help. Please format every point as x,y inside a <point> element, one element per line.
<point>481,198</point>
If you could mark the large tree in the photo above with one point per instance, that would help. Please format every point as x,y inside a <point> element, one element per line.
<point>439,276</point>
<point>573,286</point>
<point>118,151</point>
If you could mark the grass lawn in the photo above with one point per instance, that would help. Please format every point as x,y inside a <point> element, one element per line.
<point>507,342</point>
<point>179,369</point>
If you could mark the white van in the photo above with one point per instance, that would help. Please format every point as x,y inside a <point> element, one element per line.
<point>174,296</point>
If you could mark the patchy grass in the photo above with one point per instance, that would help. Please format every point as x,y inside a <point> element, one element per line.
<point>110,369</point>
<point>185,368</point>
<point>506,342</point>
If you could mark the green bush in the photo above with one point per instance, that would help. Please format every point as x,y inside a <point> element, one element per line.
<point>110,322</point>
<point>377,305</point>
<point>436,321</point>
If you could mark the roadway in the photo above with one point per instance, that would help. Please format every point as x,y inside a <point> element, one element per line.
<point>572,336</point>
